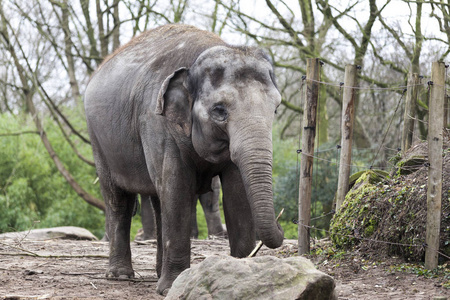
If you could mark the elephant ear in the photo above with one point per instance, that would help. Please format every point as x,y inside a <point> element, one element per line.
<point>174,101</point>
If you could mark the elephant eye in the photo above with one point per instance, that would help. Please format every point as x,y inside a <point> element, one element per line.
<point>219,113</point>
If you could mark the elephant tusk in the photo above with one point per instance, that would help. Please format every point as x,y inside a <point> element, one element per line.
<point>260,243</point>
<point>96,180</point>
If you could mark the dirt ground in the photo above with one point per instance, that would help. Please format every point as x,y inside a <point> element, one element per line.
<point>67,269</point>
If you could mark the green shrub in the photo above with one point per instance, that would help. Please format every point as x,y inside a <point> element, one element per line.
<point>33,194</point>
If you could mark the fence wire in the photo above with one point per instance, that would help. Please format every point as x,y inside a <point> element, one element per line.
<point>403,88</point>
<point>358,237</point>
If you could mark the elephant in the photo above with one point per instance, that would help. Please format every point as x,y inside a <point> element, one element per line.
<point>167,112</point>
<point>210,205</point>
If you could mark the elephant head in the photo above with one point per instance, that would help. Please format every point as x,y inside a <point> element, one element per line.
<point>225,102</point>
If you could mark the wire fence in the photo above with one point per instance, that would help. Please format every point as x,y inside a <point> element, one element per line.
<point>388,165</point>
<point>360,238</point>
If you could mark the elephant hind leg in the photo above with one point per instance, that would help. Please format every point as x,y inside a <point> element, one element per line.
<point>155,203</point>
<point>119,211</point>
<point>194,225</point>
<point>148,219</point>
<point>211,208</point>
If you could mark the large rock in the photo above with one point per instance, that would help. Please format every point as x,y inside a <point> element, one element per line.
<point>263,277</point>
<point>65,232</point>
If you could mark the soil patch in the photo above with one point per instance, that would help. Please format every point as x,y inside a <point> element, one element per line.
<point>66,269</point>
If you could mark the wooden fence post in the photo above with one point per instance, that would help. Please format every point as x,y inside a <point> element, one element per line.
<point>410,111</point>
<point>435,141</point>
<point>447,113</point>
<point>311,95</point>
<point>348,110</point>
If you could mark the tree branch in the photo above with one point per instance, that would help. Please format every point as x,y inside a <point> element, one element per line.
<point>396,36</point>
<point>329,15</point>
<point>23,74</point>
<point>285,24</point>
<point>66,121</point>
<point>67,138</point>
<point>387,63</point>
<point>19,133</point>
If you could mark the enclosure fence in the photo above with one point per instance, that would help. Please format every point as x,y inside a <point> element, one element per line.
<point>437,121</point>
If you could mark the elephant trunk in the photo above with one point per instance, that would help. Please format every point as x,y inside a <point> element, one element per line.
<point>251,151</point>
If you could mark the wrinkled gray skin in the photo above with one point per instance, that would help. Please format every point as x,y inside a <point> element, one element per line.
<point>167,112</point>
<point>211,209</point>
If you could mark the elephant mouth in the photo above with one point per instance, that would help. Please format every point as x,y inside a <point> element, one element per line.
<point>222,149</point>
<point>216,154</point>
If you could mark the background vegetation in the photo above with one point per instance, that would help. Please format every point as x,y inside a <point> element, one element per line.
<point>50,48</point>
<point>34,194</point>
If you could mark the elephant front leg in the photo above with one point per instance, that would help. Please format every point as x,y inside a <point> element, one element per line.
<point>176,208</point>
<point>238,215</point>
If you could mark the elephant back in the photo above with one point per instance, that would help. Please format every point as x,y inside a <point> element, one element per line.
<point>164,49</point>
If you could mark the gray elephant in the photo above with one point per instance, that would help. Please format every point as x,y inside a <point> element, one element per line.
<point>166,113</point>
<point>211,209</point>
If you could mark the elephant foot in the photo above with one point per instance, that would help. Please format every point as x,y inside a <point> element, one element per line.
<point>163,286</point>
<point>141,235</point>
<point>120,272</point>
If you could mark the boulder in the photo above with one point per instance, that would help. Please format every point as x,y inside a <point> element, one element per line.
<point>65,232</point>
<point>263,277</point>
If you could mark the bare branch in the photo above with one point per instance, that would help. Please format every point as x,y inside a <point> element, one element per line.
<point>32,111</point>
<point>396,36</point>
<point>67,138</point>
<point>326,9</point>
<point>19,133</point>
<point>285,24</point>
<point>387,63</point>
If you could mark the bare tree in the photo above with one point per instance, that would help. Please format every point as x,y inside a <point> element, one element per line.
<point>29,87</point>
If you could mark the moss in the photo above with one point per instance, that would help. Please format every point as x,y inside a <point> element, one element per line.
<point>374,176</point>
<point>396,158</point>
<point>379,208</point>
<point>345,227</point>
<point>410,165</point>
<point>368,231</point>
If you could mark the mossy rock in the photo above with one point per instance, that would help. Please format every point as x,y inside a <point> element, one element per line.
<point>374,176</point>
<point>357,206</point>
<point>409,165</point>
<point>385,215</point>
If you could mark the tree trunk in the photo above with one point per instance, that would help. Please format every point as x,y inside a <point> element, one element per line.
<point>93,53</point>
<point>101,30</point>
<point>116,31</point>
<point>68,51</point>
<point>322,120</point>
<point>415,61</point>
